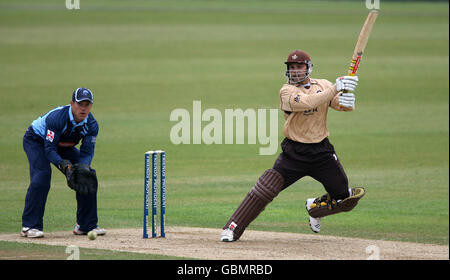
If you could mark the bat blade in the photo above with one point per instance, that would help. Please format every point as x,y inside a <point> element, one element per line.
<point>362,42</point>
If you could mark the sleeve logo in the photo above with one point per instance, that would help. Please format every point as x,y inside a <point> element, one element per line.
<point>50,135</point>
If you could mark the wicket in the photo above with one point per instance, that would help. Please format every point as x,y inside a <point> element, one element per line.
<point>154,155</point>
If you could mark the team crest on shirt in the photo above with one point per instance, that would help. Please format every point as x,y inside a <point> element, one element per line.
<point>50,135</point>
<point>297,98</point>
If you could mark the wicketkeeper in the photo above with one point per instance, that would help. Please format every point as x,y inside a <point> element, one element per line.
<point>52,138</point>
<point>306,150</point>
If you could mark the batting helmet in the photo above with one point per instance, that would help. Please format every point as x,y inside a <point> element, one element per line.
<point>301,57</point>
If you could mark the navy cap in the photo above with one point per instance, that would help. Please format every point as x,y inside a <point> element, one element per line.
<point>82,94</point>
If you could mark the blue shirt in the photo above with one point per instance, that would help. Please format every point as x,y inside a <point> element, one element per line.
<point>59,130</point>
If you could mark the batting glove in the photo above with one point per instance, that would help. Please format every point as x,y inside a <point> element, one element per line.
<point>347,100</point>
<point>347,83</point>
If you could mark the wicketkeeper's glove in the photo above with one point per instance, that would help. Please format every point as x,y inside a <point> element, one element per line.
<point>82,179</point>
<point>64,165</point>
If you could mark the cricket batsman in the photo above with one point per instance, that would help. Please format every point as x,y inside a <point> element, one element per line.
<point>306,150</point>
<point>51,139</point>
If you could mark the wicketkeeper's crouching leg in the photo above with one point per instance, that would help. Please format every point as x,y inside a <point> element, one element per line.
<point>268,186</point>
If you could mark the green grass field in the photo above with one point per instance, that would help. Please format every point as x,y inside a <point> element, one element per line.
<point>143,59</point>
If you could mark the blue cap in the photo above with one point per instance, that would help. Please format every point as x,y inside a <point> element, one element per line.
<point>82,94</point>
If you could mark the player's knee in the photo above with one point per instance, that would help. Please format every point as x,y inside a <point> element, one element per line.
<point>268,186</point>
<point>40,185</point>
<point>41,179</point>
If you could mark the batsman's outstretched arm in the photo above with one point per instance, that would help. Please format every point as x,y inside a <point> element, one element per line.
<point>293,100</point>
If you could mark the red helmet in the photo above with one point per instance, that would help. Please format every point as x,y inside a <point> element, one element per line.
<point>298,56</point>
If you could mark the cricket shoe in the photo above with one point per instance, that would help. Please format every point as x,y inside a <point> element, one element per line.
<point>314,223</point>
<point>227,235</point>
<point>77,231</point>
<point>31,232</point>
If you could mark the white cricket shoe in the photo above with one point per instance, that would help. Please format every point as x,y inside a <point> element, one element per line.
<point>77,231</point>
<point>314,223</point>
<point>227,235</point>
<point>31,232</point>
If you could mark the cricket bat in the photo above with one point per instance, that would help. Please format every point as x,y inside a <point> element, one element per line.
<point>362,42</point>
